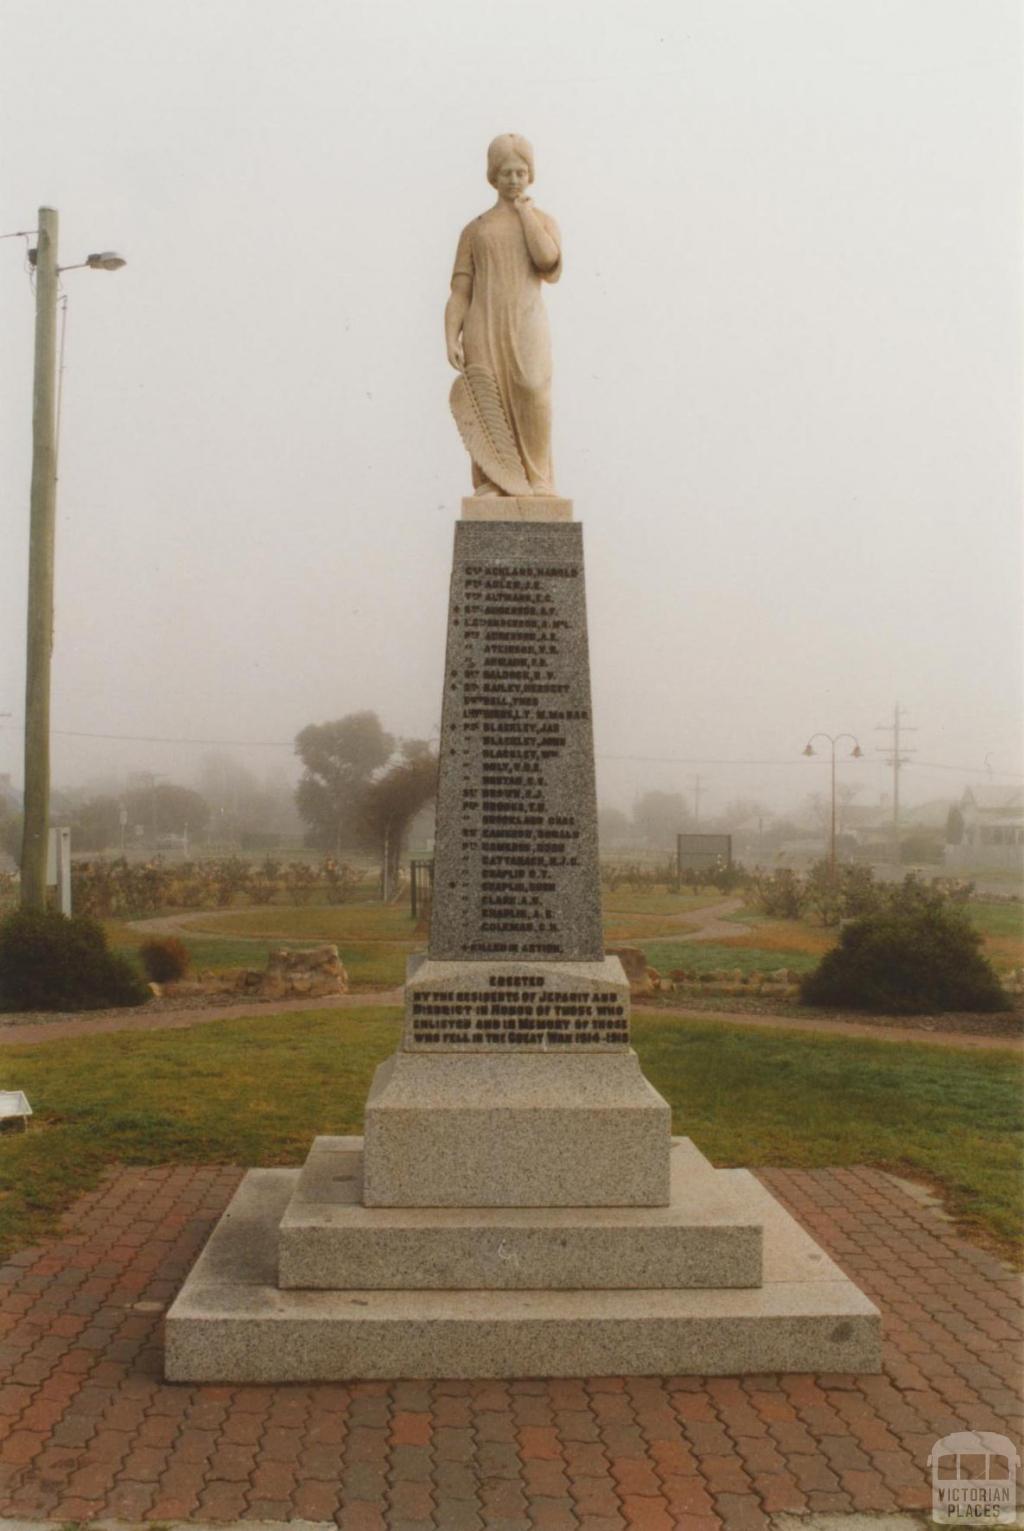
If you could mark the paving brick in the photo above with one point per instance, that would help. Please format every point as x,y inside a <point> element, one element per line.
<point>687,1495</point>
<point>820,1502</point>
<point>647,1514</point>
<point>451,1445</point>
<point>533,1409</point>
<point>724,1475</point>
<point>461,1480</point>
<point>812,1473</point>
<point>503,1502</point>
<point>635,1477</point>
<point>595,1496</point>
<point>867,1490</point>
<point>545,1478</point>
<point>182,1483</point>
<point>495,1427</point>
<point>281,1444</point>
<point>708,1440</point>
<point>364,1483</point>
<point>500,1459</point>
<point>457,1515</point>
<point>272,1480</point>
<point>88,1425</point>
<point>411,1429</point>
<point>576,1425</point>
<point>410,1463</point>
<point>779,1493</point>
<point>364,1445</point>
<point>77,1509</point>
<point>540,1442</point>
<point>21,1446</point>
<point>320,1460</point>
<point>553,1514</point>
<point>131,1501</point>
<point>844,1454</point>
<point>760,1454</point>
<point>267,1509</point>
<point>232,1462</point>
<point>620,1440</point>
<point>741,1512</point>
<point>410,1500</point>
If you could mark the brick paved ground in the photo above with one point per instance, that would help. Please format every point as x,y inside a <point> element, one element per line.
<point>89,1430</point>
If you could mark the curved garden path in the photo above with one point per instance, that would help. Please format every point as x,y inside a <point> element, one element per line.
<point>712,922</point>
<point>22,1033</point>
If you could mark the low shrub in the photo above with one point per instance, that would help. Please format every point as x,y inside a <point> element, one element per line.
<point>782,894</point>
<point>51,961</point>
<point>165,958</point>
<point>911,960</point>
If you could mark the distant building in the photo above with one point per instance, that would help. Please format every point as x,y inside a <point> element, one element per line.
<point>991,829</point>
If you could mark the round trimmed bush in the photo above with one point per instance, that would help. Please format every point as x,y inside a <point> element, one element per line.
<point>51,961</point>
<point>165,959</point>
<point>907,962</point>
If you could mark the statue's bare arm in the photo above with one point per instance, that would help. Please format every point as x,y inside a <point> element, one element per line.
<point>454,318</point>
<point>544,251</point>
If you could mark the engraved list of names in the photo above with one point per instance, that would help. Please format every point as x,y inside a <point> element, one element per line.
<point>515,871</point>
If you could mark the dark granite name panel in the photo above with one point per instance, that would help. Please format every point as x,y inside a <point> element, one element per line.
<point>515,861</point>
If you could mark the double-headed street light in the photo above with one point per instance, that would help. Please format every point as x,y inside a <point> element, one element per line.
<point>856,753</point>
<point>41,553</point>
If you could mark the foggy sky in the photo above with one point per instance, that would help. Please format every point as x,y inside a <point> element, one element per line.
<point>787,369</point>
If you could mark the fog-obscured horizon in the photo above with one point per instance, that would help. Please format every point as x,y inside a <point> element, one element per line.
<point>787,374</point>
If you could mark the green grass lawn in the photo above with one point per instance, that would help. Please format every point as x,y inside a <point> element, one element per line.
<point>374,940</point>
<point>311,922</point>
<point>256,1091</point>
<point>997,919</point>
<point>708,957</point>
<point>1002,926</point>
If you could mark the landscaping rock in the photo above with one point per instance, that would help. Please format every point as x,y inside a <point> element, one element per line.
<point>310,974</point>
<point>642,979</point>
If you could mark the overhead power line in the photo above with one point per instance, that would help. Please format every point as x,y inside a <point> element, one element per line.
<point>685,760</point>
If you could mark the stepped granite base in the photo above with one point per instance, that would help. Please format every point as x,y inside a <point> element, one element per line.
<point>231,1322</point>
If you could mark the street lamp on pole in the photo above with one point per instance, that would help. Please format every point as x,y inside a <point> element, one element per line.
<point>42,520</point>
<point>855,753</point>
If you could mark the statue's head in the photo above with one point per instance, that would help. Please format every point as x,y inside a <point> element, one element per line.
<point>506,149</point>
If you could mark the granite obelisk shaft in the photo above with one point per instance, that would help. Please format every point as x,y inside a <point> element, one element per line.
<point>516,873</point>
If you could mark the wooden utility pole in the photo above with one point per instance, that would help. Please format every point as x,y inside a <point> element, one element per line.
<point>696,801</point>
<point>899,756</point>
<point>40,570</point>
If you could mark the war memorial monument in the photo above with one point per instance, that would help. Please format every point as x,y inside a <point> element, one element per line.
<point>517,1205</point>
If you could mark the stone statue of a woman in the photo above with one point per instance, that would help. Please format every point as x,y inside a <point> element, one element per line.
<point>497,331</point>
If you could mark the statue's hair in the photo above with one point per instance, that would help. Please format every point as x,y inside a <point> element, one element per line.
<point>499,149</point>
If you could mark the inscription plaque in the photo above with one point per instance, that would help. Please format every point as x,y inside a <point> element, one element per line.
<point>515,869</point>
<point>501,1008</point>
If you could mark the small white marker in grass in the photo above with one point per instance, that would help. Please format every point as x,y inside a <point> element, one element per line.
<point>14,1104</point>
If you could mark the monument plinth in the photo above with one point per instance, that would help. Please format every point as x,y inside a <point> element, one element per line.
<point>475,1110</point>
<point>517,1206</point>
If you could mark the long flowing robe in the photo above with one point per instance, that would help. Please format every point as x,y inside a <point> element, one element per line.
<point>506,330</point>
